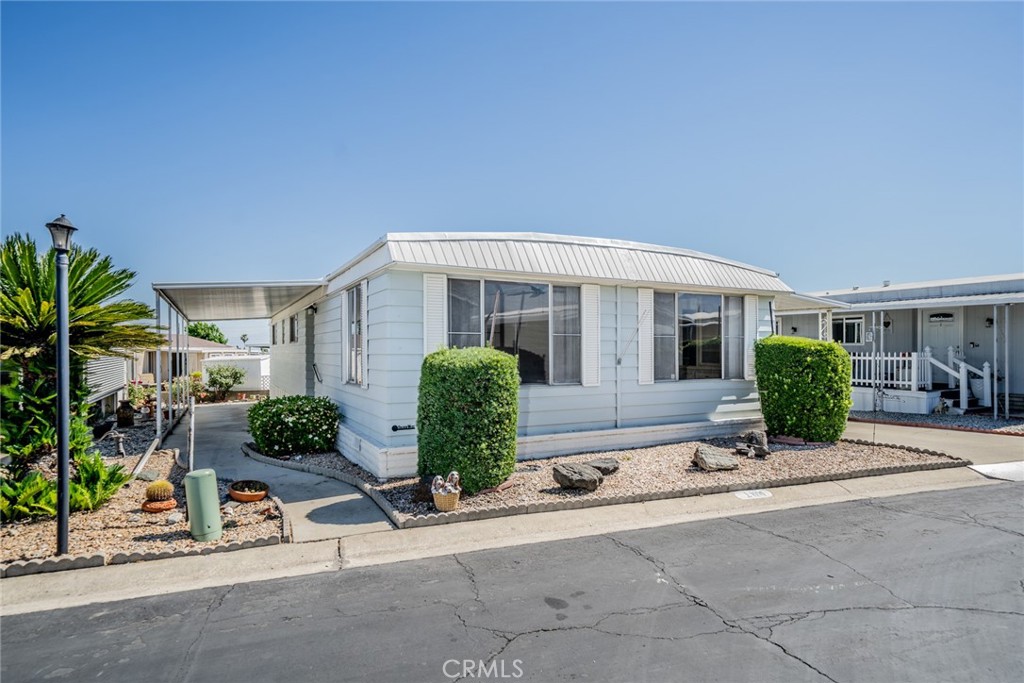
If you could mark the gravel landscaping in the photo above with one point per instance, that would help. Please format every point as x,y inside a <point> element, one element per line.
<point>659,471</point>
<point>121,527</point>
<point>136,439</point>
<point>969,422</point>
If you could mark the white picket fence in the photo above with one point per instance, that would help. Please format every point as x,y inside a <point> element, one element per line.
<point>913,372</point>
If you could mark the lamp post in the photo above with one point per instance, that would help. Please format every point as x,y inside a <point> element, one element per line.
<point>60,230</point>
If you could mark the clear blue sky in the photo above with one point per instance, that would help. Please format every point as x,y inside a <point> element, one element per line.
<point>838,144</point>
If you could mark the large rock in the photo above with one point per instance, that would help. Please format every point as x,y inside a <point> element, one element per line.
<point>605,466</point>
<point>577,476</point>
<point>710,458</point>
<point>755,437</point>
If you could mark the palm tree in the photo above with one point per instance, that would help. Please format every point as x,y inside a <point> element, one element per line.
<point>99,325</point>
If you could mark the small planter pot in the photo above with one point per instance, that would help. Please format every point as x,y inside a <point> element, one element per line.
<point>159,505</point>
<point>248,490</point>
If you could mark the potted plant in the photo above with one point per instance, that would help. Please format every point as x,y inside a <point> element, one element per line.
<point>248,490</point>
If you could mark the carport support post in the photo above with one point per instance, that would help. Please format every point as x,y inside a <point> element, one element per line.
<point>170,365</point>
<point>159,407</point>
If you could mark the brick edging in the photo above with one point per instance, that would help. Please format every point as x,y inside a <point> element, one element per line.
<point>404,521</point>
<point>928,425</point>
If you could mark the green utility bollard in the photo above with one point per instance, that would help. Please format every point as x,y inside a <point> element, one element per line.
<point>203,505</point>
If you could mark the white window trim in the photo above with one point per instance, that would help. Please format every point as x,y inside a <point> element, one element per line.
<point>843,319</point>
<point>747,318</point>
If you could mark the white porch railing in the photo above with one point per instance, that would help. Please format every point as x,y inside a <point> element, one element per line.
<point>913,371</point>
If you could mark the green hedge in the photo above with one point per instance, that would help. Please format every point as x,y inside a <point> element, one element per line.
<point>294,424</point>
<point>804,386</point>
<point>467,415</point>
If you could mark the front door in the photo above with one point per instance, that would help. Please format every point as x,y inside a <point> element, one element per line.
<point>940,330</point>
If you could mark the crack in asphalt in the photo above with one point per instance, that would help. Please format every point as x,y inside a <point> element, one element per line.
<point>821,552</point>
<point>944,518</point>
<point>185,669</point>
<point>730,624</point>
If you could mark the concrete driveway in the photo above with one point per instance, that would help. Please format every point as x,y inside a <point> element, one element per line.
<point>978,447</point>
<point>318,507</point>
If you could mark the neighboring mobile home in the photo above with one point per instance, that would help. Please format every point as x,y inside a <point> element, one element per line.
<point>913,343</point>
<point>620,344</point>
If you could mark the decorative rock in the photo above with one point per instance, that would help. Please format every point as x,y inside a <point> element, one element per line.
<point>755,437</point>
<point>134,518</point>
<point>576,476</point>
<point>175,517</point>
<point>710,458</point>
<point>148,475</point>
<point>760,452</point>
<point>744,449</point>
<point>605,466</point>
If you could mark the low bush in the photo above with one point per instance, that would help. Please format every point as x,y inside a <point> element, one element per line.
<point>467,415</point>
<point>33,495</point>
<point>804,386</point>
<point>95,482</point>
<point>223,378</point>
<point>294,424</point>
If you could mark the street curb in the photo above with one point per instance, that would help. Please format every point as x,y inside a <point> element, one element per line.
<point>286,521</point>
<point>404,521</point>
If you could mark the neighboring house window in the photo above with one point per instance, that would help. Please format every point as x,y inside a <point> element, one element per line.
<point>848,330</point>
<point>355,334</point>
<point>273,334</point>
<point>293,329</point>
<point>536,322</point>
<point>697,336</point>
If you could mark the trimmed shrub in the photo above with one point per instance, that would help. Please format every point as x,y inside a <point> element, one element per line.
<point>294,424</point>
<point>223,378</point>
<point>804,386</point>
<point>467,415</point>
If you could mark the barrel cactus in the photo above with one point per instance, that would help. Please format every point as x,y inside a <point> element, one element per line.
<point>160,490</point>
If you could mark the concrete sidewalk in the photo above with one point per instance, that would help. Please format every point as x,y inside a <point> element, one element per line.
<point>978,447</point>
<point>318,507</point>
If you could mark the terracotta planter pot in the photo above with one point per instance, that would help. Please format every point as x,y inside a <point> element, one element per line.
<point>247,496</point>
<point>159,505</point>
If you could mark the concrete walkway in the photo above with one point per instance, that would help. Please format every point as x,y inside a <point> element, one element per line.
<point>978,447</point>
<point>318,507</point>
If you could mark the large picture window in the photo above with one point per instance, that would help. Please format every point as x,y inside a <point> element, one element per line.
<point>538,323</point>
<point>697,336</point>
<point>354,302</point>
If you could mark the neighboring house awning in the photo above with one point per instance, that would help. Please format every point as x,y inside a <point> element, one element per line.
<point>942,302</point>
<point>199,301</point>
<point>797,304</point>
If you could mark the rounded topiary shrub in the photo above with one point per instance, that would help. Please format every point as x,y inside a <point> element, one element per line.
<point>804,386</point>
<point>467,415</point>
<point>294,424</point>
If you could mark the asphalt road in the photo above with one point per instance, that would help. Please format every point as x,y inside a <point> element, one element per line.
<point>925,587</point>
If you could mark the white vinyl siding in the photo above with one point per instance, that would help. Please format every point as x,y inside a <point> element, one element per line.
<point>105,376</point>
<point>645,335</point>
<point>750,334</point>
<point>590,313</point>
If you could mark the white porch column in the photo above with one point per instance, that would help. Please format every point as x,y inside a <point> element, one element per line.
<point>159,402</point>
<point>950,356</point>
<point>986,401</point>
<point>914,370</point>
<point>926,359</point>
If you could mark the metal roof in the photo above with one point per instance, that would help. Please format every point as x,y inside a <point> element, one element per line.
<point>941,302</point>
<point>234,300</point>
<point>795,304</point>
<point>575,257</point>
<point>931,289</point>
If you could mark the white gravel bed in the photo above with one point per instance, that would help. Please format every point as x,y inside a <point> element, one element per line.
<point>121,526</point>
<point>971,421</point>
<point>650,470</point>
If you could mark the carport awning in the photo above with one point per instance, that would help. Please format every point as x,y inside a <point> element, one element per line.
<point>234,300</point>
<point>790,303</point>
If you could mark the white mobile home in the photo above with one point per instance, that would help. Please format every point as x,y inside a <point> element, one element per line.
<point>620,344</point>
<point>914,343</point>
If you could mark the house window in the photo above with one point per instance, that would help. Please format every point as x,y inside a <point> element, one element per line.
<point>538,323</point>
<point>293,329</point>
<point>273,334</point>
<point>697,336</point>
<point>848,330</point>
<point>355,335</point>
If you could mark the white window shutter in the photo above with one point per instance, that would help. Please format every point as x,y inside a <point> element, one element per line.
<point>590,326</point>
<point>749,335</point>
<point>365,336</point>
<point>435,312</point>
<point>645,334</point>
<point>346,336</point>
